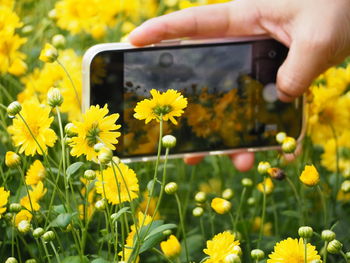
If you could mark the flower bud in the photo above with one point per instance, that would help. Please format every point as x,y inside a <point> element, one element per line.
<point>105,155</point>
<point>257,254</point>
<point>32,260</point>
<point>345,186</point>
<point>237,235</point>
<point>59,41</point>
<point>347,254</point>
<point>54,97</point>
<point>198,211</point>
<point>114,217</point>
<point>90,175</point>
<point>227,194</point>
<point>116,159</point>
<point>38,232</point>
<point>232,258</point>
<point>15,207</point>
<point>280,137</point>
<point>171,188</point>
<point>334,247</point>
<point>12,159</point>
<point>48,54</point>
<point>168,141</point>
<point>99,146</point>
<point>289,144</point>
<point>23,226</point>
<point>8,217</point>
<point>68,129</point>
<point>52,14</point>
<point>27,29</point>
<point>220,205</point>
<point>247,182</point>
<point>263,167</point>
<point>237,250</point>
<point>14,108</point>
<point>48,236</point>
<point>167,232</point>
<point>327,235</point>
<point>100,205</point>
<point>200,197</point>
<point>305,232</point>
<point>251,201</point>
<point>276,173</point>
<point>11,260</point>
<point>346,173</point>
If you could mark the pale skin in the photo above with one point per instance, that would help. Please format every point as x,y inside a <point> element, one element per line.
<point>317,33</point>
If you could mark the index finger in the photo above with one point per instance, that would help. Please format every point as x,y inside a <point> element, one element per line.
<point>238,18</point>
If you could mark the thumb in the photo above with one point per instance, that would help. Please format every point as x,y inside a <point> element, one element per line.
<point>305,61</point>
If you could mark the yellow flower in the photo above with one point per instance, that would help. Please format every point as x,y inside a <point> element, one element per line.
<point>310,176</point>
<point>117,193</point>
<point>38,120</point>
<point>38,83</point>
<point>220,205</point>
<point>94,128</point>
<point>267,184</point>
<point>171,248</point>
<point>292,251</point>
<point>152,205</point>
<point>222,245</point>
<point>89,16</point>
<point>167,105</point>
<point>12,159</point>
<point>267,228</point>
<point>22,215</point>
<point>10,56</point>
<point>126,253</point>
<point>90,200</point>
<point>35,195</point>
<point>35,173</point>
<point>48,54</point>
<point>4,195</point>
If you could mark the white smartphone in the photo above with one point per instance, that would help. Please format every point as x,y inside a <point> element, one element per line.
<point>229,84</point>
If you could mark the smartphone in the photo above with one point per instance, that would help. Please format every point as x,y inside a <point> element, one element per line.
<point>229,84</point>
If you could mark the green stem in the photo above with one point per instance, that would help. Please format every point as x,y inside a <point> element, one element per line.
<point>325,252</point>
<point>263,215</point>
<point>46,251</point>
<point>239,209</point>
<point>291,184</point>
<point>162,255</point>
<point>344,256</point>
<point>71,81</point>
<point>337,182</point>
<point>56,254</point>
<point>182,223</point>
<point>323,201</point>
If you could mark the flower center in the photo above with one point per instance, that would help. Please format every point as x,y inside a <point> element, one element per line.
<point>162,110</point>
<point>92,134</point>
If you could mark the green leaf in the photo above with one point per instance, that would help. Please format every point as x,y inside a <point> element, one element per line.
<point>160,229</point>
<point>59,209</point>
<point>73,168</point>
<point>62,220</point>
<point>75,259</point>
<point>100,260</point>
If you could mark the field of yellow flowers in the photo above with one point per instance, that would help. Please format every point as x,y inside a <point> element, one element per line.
<point>65,198</point>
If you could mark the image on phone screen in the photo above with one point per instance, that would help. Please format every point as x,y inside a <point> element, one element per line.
<point>230,87</point>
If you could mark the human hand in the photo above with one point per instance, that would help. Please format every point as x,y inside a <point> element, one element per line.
<point>317,33</point>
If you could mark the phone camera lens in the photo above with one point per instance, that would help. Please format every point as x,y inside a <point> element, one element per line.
<point>272,54</point>
<point>166,60</point>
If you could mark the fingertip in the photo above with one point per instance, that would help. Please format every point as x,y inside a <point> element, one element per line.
<point>243,161</point>
<point>284,97</point>
<point>146,34</point>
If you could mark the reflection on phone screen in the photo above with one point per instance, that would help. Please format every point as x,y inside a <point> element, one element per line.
<point>232,100</point>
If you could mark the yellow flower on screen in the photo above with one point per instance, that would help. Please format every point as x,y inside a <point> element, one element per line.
<point>37,117</point>
<point>117,187</point>
<point>36,194</point>
<point>266,186</point>
<point>95,128</point>
<point>164,106</point>
<point>4,195</point>
<point>171,247</point>
<point>292,250</point>
<point>221,246</point>
<point>35,173</point>
<point>310,176</point>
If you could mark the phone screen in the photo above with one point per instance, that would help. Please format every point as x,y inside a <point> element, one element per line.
<point>232,100</point>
